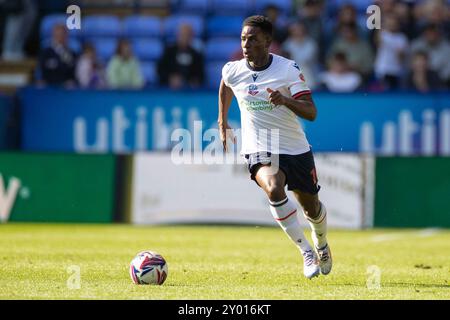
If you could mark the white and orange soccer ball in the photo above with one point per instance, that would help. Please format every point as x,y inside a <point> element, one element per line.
<point>148,267</point>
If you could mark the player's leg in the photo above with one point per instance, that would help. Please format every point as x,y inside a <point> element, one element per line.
<point>284,212</point>
<point>316,214</point>
<point>271,182</point>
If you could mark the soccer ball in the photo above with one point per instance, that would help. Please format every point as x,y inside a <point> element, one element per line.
<point>148,267</point>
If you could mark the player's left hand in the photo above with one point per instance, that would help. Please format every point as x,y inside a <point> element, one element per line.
<point>275,97</point>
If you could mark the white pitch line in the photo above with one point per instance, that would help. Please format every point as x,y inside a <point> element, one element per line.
<point>428,232</point>
<point>387,237</point>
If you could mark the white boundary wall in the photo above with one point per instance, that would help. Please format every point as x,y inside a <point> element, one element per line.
<point>163,192</point>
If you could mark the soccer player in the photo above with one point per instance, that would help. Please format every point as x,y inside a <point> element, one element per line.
<point>271,93</point>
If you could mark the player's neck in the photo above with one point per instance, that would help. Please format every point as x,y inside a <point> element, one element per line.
<point>260,64</point>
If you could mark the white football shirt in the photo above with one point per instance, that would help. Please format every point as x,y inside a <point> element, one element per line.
<point>264,126</point>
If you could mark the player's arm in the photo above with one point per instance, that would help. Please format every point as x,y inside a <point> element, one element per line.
<point>303,106</point>
<point>225,98</point>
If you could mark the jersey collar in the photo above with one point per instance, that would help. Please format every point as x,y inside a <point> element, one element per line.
<point>263,67</point>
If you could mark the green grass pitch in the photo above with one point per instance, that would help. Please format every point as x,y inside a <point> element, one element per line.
<point>219,262</point>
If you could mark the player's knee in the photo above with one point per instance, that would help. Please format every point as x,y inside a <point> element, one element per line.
<point>275,191</point>
<point>311,209</point>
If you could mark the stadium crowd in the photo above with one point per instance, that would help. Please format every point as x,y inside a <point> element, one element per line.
<point>330,40</point>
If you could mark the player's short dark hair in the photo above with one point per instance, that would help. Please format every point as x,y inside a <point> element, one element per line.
<point>261,22</point>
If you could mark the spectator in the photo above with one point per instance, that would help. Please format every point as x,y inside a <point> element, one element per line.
<point>421,78</point>
<point>20,15</point>
<point>347,14</point>
<point>89,72</point>
<point>340,77</point>
<point>358,52</point>
<point>404,15</point>
<point>279,27</point>
<point>57,62</point>
<point>392,49</point>
<point>182,65</point>
<point>438,50</point>
<point>434,12</point>
<point>387,6</point>
<point>304,50</point>
<point>123,70</point>
<point>311,14</point>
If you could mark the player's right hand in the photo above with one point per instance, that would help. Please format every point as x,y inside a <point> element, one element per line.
<point>226,132</point>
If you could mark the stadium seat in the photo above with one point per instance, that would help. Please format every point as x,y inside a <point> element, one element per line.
<point>105,47</point>
<point>362,24</point>
<point>333,6</point>
<point>218,26</point>
<point>219,49</point>
<point>149,72</point>
<point>147,49</point>
<point>191,6</point>
<point>172,23</point>
<point>360,5</point>
<point>102,4</point>
<point>73,43</point>
<point>214,74</point>
<point>230,7</point>
<point>101,26</point>
<point>142,26</point>
<point>49,21</point>
<point>285,6</point>
<point>152,4</point>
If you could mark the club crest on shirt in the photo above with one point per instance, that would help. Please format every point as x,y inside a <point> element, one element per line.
<point>253,89</point>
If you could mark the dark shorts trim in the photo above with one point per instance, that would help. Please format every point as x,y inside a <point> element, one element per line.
<point>299,169</point>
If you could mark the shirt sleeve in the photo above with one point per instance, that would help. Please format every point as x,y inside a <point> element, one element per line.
<point>226,74</point>
<point>296,81</point>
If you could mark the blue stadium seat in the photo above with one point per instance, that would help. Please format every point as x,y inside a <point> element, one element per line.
<point>214,73</point>
<point>362,24</point>
<point>221,49</point>
<point>105,47</point>
<point>285,6</point>
<point>149,72</point>
<point>333,6</point>
<point>172,23</point>
<point>142,26</point>
<point>360,5</point>
<point>218,26</point>
<point>73,43</point>
<point>101,26</point>
<point>191,6</point>
<point>147,49</point>
<point>224,7</point>
<point>49,21</point>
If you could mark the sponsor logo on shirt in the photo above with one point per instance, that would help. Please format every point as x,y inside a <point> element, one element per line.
<point>254,106</point>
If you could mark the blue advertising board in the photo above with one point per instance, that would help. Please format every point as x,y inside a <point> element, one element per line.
<point>129,121</point>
